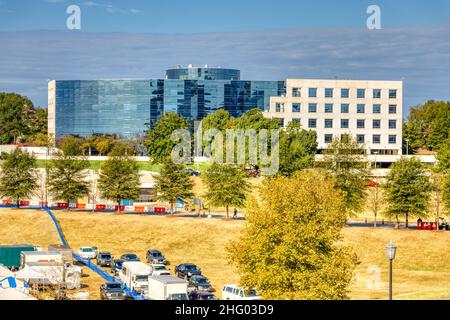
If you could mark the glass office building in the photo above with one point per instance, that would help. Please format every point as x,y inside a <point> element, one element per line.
<point>126,107</point>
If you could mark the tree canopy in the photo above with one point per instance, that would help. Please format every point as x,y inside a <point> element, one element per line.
<point>20,121</point>
<point>159,138</point>
<point>298,148</point>
<point>289,248</point>
<point>345,159</point>
<point>173,182</point>
<point>18,178</point>
<point>428,125</point>
<point>408,189</point>
<point>67,177</point>
<point>119,177</point>
<point>226,185</point>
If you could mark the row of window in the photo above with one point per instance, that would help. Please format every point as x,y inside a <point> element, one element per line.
<point>361,138</point>
<point>345,123</point>
<point>329,108</point>
<point>344,93</point>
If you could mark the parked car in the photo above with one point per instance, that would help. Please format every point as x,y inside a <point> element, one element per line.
<point>87,253</point>
<point>116,266</point>
<point>112,291</point>
<point>233,292</point>
<point>199,283</point>
<point>202,295</point>
<point>96,251</point>
<point>192,172</point>
<point>187,270</point>
<point>104,259</point>
<point>159,270</point>
<point>129,257</point>
<point>155,256</point>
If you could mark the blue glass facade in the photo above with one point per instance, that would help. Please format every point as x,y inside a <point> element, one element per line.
<point>126,107</point>
<point>193,73</point>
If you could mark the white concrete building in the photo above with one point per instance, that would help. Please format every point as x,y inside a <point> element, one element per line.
<point>370,111</point>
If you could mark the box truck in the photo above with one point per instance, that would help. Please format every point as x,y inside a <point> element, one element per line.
<point>135,276</point>
<point>10,255</point>
<point>167,288</point>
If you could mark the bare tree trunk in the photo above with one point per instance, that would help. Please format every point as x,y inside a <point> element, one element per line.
<point>171,209</point>
<point>18,203</point>
<point>375,222</point>
<point>398,222</point>
<point>228,215</point>
<point>118,206</point>
<point>407,221</point>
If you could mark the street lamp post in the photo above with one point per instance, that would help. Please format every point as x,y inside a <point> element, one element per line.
<point>390,252</point>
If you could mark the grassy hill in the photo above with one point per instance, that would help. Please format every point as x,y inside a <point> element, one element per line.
<point>421,269</point>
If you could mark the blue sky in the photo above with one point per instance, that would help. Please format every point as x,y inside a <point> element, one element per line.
<point>267,40</point>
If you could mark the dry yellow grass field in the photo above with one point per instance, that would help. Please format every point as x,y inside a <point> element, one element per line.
<point>421,269</point>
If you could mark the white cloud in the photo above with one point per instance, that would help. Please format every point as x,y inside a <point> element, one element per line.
<point>420,56</point>
<point>111,8</point>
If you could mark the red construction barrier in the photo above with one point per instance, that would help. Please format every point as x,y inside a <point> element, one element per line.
<point>24,203</point>
<point>100,207</point>
<point>7,201</point>
<point>160,210</point>
<point>81,206</point>
<point>419,225</point>
<point>43,204</point>
<point>62,205</point>
<point>122,208</point>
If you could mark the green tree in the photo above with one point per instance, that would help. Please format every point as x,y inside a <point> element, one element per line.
<point>71,146</point>
<point>67,177</point>
<point>427,125</point>
<point>227,185</point>
<point>443,157</point>
<point>18,178</point>
<point>254,119</point>
<point>119,177</point>
<point>14,109</point>
<point>159,138</point>
<point>408,189</point>
<point>446,191</point>
<point>297,149</point>
<point>290,247</point>
<point>346,160</point>
<point>172,183</point>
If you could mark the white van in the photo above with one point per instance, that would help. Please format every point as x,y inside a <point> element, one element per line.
<point>135,276</point>
<point>233,292</point>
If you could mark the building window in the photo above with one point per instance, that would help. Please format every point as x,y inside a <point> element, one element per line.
<point>376,139</point>
<point>376,124</point>
<point>360,138</point>
<point>345,108</point>
<point>377,108</point>
<point>344,123</point>
<point>392,108</point>
<point>328,108</point>
<point>377,93</point>
<point>296,107</point>
<point>345,93</point>
<point>279,107</point>
<point>360,124</point>
<point>361,93</point>
<point>392,94</point>
<point>312,123</point>
<point>328,93</point>
<point>392,139</point>
<point>328,138</point>
<point>312,108</point>
<point>281,122</point>
<point>296,92</point>
<point>313,92</point>
<point>361,108</point>
<point>392,124</point>
<point>328,123</point>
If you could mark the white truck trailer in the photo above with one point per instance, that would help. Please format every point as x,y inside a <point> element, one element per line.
<point>167,288</point>
<point>135,276</point>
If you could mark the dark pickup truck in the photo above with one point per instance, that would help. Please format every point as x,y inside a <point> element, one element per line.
<point>104,259</point>
<point>112,291</point>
